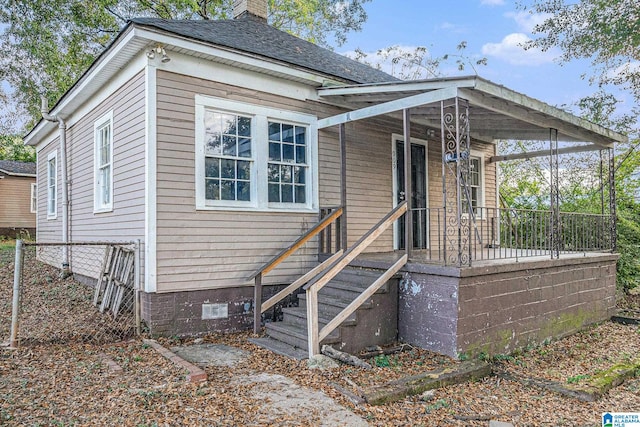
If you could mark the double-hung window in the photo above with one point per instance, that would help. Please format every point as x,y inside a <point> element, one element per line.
<point>103,164</point>
<point>287,163</point>
<point>474,186</point>
<point>228,157</point>
<point>34,198</point>
<point>52,185</point>
<point>251,157</point>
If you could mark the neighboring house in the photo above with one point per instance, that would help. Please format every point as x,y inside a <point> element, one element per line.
<point>219,143</point>
<point>18,202</point>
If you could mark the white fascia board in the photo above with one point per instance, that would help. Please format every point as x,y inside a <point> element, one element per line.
<point>206,69</point>
<point>607,135</point>
<point>27,175</point>
<point>143,37</point>
<point>242,58</point>
<point>390,107</point>
<point>403,86</point>
<point>44,127</point>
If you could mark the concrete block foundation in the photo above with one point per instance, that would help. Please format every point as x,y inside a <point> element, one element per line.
<point>498,308</point>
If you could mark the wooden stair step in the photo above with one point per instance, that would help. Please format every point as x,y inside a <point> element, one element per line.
<point>295,335</point>
<point>298,315</point>
<point>333,303</point>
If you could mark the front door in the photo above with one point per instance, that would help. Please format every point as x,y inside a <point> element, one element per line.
<point>418,197</point>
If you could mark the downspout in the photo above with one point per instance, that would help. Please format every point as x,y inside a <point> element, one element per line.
<point>62,128</point>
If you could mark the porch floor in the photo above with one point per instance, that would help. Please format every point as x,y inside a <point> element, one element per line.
<point>491,257</point>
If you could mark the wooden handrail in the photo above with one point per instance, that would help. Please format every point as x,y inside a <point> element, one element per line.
<point>281,256</point>
<point>359,246</point>
<point>301,281</point>
<point>314,335</point>
<point>286,252</point>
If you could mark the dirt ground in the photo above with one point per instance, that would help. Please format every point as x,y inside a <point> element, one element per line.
<point>68,384</point>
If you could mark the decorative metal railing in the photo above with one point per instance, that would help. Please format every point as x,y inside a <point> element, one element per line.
<point>502,233</point>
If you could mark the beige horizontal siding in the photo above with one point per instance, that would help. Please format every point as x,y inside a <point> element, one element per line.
<point>201,249</point>
<point>126,221</point>
<point>48,230</point>
<point>15,202</point>
<point>226,247</point>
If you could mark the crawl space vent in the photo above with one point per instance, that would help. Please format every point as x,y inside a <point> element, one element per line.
<point>215,311</point>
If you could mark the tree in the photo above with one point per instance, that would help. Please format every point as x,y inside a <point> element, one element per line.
<point>48,44</point>
<point>417,63</point>
<point>607,32</point>
<point>12,148</point>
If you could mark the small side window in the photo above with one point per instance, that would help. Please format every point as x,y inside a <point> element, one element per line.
<point>52,185</point>
<point>103,164</point>
<point>34,198</point>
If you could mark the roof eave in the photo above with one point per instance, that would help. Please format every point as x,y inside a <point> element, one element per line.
<point>43,127</point>
<point>25,175</point>
<point>476,89</point>
<point>499,91</point>
<point>146,34</point>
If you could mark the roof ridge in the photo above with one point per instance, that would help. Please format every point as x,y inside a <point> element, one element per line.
<point>257,37</point>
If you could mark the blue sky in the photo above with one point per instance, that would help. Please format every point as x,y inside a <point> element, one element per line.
<point>492,28</point>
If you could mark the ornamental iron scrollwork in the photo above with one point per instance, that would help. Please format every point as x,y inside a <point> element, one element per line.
<point>458,213</point>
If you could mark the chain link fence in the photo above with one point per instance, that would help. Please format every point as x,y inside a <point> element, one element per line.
<point>76,292</point>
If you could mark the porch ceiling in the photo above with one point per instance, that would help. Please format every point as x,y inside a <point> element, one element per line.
<point>495,112</point>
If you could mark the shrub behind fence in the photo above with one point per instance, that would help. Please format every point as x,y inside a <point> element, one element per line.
<point>97,303</point>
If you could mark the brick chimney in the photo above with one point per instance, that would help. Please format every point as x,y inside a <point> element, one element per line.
<point>250,8</point>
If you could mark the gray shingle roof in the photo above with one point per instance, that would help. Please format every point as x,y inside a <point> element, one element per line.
<point>255,36</point>
<point>11,167</point>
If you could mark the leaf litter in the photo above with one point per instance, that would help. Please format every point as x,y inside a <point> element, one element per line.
<point>68,384</point>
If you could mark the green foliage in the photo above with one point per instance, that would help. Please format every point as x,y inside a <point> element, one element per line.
<point>577,378</point>
<point>48,44</point>
<point>628,270</point>
<point>438,404</point>
<point>607,32</point>
<point>12,148</point>
<point>319,21</point>
<point>382,361</point>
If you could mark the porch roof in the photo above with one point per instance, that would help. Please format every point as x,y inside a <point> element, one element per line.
<point>495,112</point>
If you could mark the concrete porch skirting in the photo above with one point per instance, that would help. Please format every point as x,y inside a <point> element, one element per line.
<point>497,308</point>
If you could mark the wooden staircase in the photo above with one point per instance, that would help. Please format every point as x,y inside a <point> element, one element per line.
<point>337,297</point>
<point>373,323</point>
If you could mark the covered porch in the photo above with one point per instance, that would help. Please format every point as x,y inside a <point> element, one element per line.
<point>471,276</point>
<point>449,222</point>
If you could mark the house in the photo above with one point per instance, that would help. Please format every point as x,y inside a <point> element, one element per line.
<point>18,202</point>
<point>253,165</point>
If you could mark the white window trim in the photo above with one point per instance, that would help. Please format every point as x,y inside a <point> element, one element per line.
<point>52,213</point>
<point>100,123</point>
<point>481,196</point>
<point>259,155</point>
<point>33,208</point>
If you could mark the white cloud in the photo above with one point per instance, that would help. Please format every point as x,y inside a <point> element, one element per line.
<point>492,2</point>
<point>527,21</point>
<point>511,49</point>
<point>452,28</point>
<point>624,70</point>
